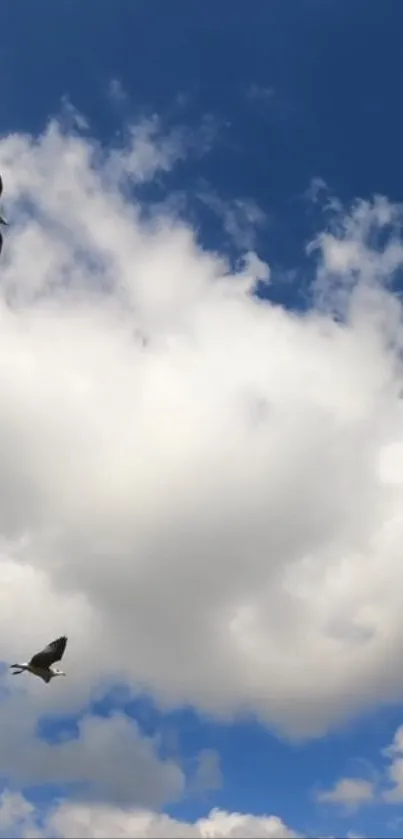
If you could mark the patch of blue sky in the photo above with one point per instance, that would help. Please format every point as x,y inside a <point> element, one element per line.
<point>261,772</point>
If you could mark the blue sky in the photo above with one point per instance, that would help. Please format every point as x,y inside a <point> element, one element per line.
<point>225,181</point>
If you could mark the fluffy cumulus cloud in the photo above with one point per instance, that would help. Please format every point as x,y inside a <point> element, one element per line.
<point>108,758</point>
<point>203,490</point>
<point>72,821</point>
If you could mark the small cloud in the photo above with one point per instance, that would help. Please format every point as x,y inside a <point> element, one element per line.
<point>394,752</point>
<point>241,218</point>
<point>349,792</point>
<point>259,93</point>
<point>70,119</point>
<point>317,188</point>
<point>208,775</point>
<point>116,92</point>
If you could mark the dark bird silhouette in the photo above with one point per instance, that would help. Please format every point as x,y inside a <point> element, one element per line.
<point>41,663</point>
<point>2,220</point>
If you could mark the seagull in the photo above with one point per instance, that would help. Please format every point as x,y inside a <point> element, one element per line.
<point>2,220</point>
<point>40,664</point>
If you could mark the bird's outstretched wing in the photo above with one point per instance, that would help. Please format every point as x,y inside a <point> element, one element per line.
<point>53,652</point>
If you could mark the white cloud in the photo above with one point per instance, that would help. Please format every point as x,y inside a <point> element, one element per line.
<point>201,489</point>
<point>68,821</point>
<point>350,792</point>
<point>394,774</point>
<point>17,816</point>
<point>109,759</point>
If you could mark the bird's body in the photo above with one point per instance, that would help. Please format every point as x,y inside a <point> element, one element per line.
<point>41,663</point>
<point>2,220</point>
<point>44,673</point>
<point>1,235</point>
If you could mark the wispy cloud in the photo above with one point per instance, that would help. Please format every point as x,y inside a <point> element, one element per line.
<point>259,92</point>
<point>241,218</point>
<point>117,92</point>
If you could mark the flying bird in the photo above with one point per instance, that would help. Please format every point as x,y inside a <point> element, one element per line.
<point>41,663</point>
<point>2,220</point>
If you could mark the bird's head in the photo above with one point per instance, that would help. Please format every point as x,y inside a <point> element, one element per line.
<point>57,672</point>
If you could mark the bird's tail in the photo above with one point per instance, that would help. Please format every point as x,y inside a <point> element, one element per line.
<point>18,669</point>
